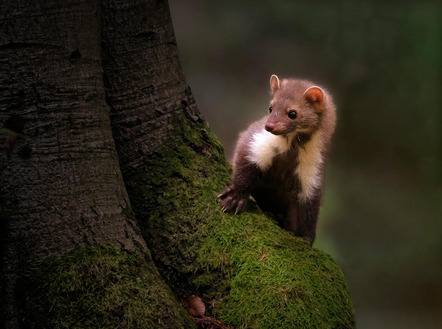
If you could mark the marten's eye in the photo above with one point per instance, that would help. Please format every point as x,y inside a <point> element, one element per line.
<point>292,114</point>
<point>270,109</point>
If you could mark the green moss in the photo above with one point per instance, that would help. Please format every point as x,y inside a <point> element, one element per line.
<point>98,287</point>
<point>259,275</point>
<point>276,280</point>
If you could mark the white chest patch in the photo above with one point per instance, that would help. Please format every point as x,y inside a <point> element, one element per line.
<point>264,146</point>
<point>310,161</point>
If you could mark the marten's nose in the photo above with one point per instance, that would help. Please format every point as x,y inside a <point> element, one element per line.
<point>269,127</point>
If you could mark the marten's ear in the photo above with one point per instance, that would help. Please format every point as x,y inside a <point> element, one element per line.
<point>315,96</point>
<point>274,83</point>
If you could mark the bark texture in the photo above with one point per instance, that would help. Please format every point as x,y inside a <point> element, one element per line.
<point>64,164</point>
<point>60,184</point>
<point>145,85</point>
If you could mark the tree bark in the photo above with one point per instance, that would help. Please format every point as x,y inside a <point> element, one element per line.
<point>62,186</point>
<point>145,85</point>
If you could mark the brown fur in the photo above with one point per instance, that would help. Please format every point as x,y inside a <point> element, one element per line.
<point>279,183</point>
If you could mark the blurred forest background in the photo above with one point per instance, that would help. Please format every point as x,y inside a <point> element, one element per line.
<point>382,60</point>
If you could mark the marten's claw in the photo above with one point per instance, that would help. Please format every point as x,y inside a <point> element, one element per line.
<point>240,205</point>
<point>228,204</point>
<point>225,208</point>
<point>224,192</point>
<point>232,200</point>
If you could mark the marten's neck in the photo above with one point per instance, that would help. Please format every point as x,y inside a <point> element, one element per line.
<point>265,147</point>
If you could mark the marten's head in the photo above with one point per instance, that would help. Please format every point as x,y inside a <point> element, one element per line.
<point>297,106</point>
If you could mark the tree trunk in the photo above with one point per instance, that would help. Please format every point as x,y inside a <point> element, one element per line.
<point>250,271</point>
<point>62,186</point>
<point>71,248</point>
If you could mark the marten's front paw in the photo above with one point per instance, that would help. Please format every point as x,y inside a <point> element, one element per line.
<point>232,200</point>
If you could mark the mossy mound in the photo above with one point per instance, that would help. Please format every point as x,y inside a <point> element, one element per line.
<point>274,280</point>
<point>98,287</point>
<point>255,274</point>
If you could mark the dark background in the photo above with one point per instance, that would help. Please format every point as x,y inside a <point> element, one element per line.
<point>382,213</point>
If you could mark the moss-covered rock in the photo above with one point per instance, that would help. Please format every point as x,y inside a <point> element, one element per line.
<point>98,287</point>
<point>253,273</point>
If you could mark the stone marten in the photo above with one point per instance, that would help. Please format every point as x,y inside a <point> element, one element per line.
<point>279,160</point>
